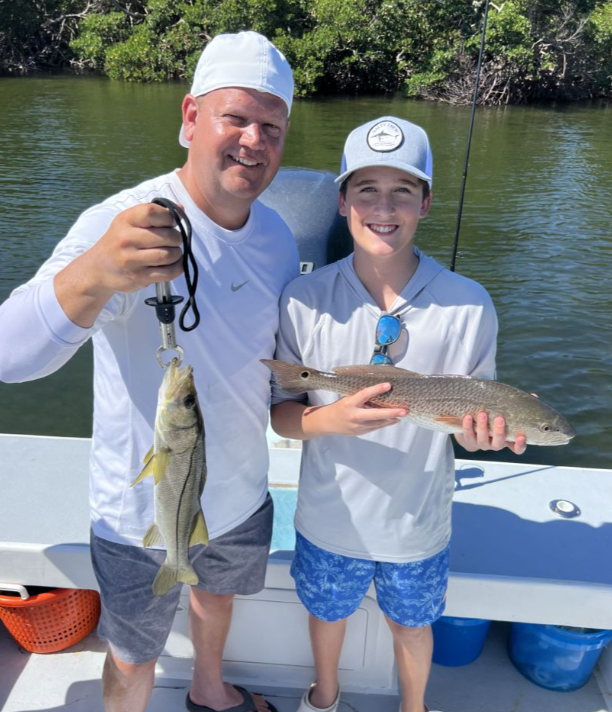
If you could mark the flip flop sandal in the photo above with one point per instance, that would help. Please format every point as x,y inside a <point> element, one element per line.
<point>247,705</point>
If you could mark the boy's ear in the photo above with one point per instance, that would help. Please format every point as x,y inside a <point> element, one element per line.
<point>425,205</point>
<point>342,204</point>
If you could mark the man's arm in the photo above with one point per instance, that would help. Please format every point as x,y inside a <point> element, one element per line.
<point>139,248</point>
<point>45,323</point>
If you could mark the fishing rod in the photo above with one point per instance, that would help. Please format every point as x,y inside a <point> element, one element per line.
<point>164,301</point>
<point>469,142</point>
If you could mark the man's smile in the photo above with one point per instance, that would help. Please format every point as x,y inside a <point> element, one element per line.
<point>245,161</point>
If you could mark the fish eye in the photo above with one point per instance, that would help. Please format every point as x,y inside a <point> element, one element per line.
<point>545,428</point>
<point>189,401</point>
<point>304,375</point>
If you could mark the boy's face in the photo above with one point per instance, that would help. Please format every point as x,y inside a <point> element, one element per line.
<point>383,207</point>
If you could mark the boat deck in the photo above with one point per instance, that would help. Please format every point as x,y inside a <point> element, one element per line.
<point>70,680</point>
<point>513,559</point>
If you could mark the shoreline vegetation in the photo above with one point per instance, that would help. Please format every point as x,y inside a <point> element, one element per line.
<point>536,50</point>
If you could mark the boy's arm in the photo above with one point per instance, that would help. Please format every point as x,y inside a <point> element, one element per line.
<point>295,419</point>
<point>347,416</point>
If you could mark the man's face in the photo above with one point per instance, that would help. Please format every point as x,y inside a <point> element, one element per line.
<point>383,207</point>
<point>237,138</point>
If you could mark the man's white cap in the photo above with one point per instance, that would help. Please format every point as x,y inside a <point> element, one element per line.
<point>246,60</point>
<point>390,142</point>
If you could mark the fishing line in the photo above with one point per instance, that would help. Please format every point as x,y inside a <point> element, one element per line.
<point>469,142</point>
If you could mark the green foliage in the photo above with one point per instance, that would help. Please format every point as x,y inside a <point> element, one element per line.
<point>97,34</point>
<point>434,75</point>
<point>535,49</point>
<point>599,34</point>
<point>600,28</point>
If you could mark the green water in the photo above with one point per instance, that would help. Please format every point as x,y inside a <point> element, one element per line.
<point>535,230</point>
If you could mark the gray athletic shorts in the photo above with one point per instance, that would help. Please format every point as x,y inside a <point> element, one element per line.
<point>134,621</point>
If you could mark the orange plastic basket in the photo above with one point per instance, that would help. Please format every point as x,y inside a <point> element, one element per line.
<point>50,621</point>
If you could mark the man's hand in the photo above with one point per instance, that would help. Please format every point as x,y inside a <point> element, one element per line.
<point>139,248</point>
<point>476,436</point>
<point>351,415</point>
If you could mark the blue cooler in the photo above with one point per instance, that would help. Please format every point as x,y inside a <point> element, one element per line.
<point>555,658</point>
<point>458,641</point>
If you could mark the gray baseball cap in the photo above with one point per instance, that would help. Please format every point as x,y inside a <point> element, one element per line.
<point>391,142</point>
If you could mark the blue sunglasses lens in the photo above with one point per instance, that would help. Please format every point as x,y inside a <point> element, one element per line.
<point>380,359</point>
<point>387,330</point>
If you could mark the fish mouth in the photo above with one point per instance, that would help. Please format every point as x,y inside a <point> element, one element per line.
<point>561,439</point>
<point>176,379</point>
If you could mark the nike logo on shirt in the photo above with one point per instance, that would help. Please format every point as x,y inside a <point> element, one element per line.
<point>236,287</point>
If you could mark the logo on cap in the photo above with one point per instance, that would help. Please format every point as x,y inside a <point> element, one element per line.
<point>385,136</point>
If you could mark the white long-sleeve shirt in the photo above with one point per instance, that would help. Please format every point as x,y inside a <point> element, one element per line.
<point>242,274</point>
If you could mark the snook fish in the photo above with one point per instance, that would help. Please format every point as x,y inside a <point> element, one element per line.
<point>435,402</point>
<point>177,462</point>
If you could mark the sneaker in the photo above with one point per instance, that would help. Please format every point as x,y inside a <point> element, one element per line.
<point>307,706</point>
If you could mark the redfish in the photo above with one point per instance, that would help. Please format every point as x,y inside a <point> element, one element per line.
<point>436,402</point>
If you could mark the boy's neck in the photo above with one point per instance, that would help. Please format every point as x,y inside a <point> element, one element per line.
<point>385,279</point>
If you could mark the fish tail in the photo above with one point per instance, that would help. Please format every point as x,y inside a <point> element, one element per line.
<point>291,377</point>
<point>168,576</point>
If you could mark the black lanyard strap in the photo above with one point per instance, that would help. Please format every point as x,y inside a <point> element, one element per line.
<point>190,267</point>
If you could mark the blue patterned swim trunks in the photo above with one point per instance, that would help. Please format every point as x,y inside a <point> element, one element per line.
<point>331,586</point>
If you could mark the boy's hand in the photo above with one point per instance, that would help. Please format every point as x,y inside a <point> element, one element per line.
<point>352,415</point>
<point>476,436</point>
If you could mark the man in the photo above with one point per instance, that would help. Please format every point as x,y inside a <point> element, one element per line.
<point>235,121</point>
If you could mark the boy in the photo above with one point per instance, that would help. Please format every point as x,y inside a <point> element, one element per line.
<point>378,506</point>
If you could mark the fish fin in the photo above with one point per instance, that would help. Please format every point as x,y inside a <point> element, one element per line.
<point>146,470</point>
<point>149,455</point>
<point>168,576</point>
<point>188,575</point>
<point>160,463</point>
<point>153,536</point>
<point>382,371</point>
<point>451,420</point>
<point>199,531</point>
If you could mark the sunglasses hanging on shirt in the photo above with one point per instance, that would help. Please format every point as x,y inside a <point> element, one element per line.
<point>387,332</point>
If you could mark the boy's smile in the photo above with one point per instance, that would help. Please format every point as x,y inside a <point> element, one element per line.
<point>383,207</point>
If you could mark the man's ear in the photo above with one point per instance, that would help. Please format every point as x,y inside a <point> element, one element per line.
<point>190,112</point>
